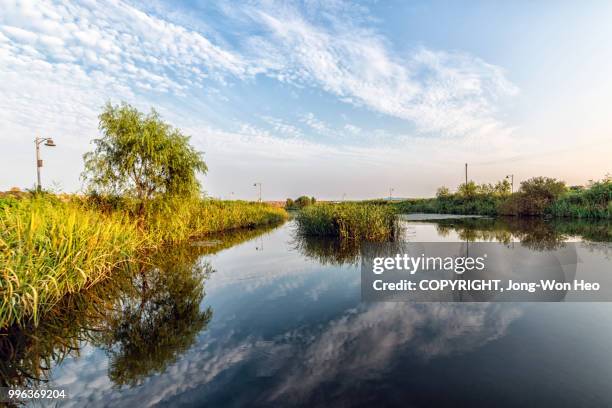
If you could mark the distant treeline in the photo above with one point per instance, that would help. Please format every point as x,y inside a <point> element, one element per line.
<point>538,196</point>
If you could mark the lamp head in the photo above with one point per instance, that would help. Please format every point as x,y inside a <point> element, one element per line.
<point>50,143</point>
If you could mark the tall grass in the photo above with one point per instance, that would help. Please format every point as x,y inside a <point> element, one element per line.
<point>176,220</point>
<point>354,221</point>
<point>51,247</point>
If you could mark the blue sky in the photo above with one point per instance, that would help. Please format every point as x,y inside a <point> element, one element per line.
<point>320,98</point>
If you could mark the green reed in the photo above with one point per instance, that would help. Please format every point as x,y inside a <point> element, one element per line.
<point>50,247</point>
<point>355,221</point>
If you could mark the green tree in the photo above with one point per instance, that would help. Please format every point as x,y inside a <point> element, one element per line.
<point>303,201</point>
<point>469,190</point>
<point>502,188</point>
<point>142,156</point>
<point>534,197</point>
<point>543,187</point>
<point>443,192</point>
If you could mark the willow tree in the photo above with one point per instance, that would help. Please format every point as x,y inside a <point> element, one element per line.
<point>142,156</point>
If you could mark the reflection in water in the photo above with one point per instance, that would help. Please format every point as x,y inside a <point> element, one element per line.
<point>144,317</point>
<point>327,250</point>
<point>289,328</point>
<point>367,342</point>
<point>158,319</point>
<point>534,232</point>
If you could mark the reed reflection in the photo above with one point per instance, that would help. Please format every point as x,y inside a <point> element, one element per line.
<point>144,317</point>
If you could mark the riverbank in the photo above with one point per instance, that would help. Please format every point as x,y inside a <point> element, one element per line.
<point>539,196</point>
<point>51,246</point>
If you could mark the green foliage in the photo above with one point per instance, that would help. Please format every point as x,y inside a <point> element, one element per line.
<point>453,204</point>
<point>142,156</point>
<point>354,221</point>
<point>173,220</point>
<point>443,192</point>
<point>534,197</point>
<point>299,203</point>
<point>50,247</point>
<point>592,202</point>
<point>538,196</point>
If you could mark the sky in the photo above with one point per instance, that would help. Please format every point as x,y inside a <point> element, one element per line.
<point>330,99</point>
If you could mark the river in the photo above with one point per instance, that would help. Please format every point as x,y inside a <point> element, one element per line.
<point>265,318</point>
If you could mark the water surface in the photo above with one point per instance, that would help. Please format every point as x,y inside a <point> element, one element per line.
<point>264,318</point>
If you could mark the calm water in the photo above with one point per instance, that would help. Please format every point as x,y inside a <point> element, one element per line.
<point>261,318</point>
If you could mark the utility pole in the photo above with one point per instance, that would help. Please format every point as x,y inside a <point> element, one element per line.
<point>466,174</point>
<point>255,185</point>
<point>391,193</point>
<point>39,163</point>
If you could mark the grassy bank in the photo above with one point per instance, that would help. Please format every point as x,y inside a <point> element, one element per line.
<point>538,196</point>
<point>51,247</point>
<point>354,221</point>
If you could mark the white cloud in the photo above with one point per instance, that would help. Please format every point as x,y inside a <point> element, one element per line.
<point>60,61</point>
<point>282,128</point>
<point>448,93</point>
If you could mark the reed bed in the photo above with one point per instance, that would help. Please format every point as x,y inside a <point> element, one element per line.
<point>353,221</point>
<point>51,247</point>
<point>176,220</point>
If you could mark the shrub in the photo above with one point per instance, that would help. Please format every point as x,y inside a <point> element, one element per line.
<point>299,203</point>
<point>535,197</point>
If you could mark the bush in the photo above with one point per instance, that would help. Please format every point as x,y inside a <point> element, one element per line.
<point>299,203</point>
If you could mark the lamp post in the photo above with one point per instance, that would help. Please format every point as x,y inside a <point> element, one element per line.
<point>39,163</point>
<point>511,177</point>
<point>391,190</point>
<point>255,185</point>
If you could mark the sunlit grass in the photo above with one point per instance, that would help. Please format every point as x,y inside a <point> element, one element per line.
<point>176,220</point>
<point>354,221</point>
<point>51,247</point>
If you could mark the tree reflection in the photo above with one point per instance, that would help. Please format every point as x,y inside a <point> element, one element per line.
<point>159,320</point>
<point>144,317</point>
<point>533,233</point>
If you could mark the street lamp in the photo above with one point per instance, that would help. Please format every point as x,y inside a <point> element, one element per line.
<point>39,163</point>
<point>511,177</point>
<point>391,190</point>
<point>255,185</point>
